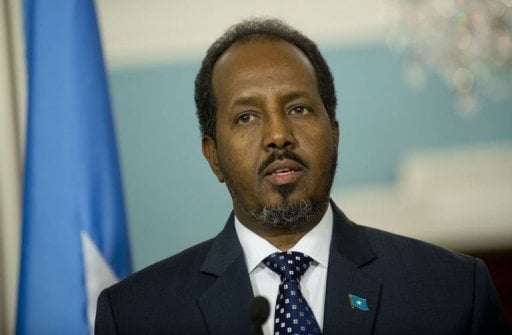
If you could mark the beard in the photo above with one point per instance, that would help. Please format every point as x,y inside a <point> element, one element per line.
<point>286,216</point>
<point>289,215</point>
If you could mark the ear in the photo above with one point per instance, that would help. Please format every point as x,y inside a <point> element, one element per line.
<point>210,153</point>
<point>336,133</point>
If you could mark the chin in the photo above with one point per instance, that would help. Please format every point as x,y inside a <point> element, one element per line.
<point>284,215</point>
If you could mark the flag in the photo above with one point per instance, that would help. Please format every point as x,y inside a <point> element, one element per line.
<point>358,302</point>
<point>74,236</point>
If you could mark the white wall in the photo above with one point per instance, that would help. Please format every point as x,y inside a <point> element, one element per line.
<point>460,198</point>
<point>139,31</point>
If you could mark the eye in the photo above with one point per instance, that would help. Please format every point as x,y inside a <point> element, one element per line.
<point>245,117</point>
<point>299,110</point>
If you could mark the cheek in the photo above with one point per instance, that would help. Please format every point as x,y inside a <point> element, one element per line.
<point>237,143</point>
<point>237,159</point>
<point>322,150</point>
<point>318,141</point>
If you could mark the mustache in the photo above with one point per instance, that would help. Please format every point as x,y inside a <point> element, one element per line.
<point>281,154</point>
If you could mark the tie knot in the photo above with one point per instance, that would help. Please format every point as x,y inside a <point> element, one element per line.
<point>289,265</point>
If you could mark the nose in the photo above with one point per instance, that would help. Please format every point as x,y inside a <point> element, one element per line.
<point>278,132</point>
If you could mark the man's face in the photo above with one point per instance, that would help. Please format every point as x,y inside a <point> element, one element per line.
<point>275,143</point>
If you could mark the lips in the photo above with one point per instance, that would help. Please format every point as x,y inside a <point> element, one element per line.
<point>283,172</point>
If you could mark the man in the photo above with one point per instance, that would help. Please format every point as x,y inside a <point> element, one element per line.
<point>266,105</point>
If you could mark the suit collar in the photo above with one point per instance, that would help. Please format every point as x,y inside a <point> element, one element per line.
<point>349,240</point>
<point>225,303</point>
<point>350,254</point>
<point>225,250</point>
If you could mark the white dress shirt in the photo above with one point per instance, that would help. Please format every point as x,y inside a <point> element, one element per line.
<point>265,282</point>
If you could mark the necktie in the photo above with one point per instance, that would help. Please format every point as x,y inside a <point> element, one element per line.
<point>292,313</point>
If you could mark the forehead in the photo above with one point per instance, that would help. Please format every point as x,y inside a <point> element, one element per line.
<point>251,62</point>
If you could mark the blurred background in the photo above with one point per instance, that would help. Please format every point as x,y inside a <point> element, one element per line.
<point>425,108</point>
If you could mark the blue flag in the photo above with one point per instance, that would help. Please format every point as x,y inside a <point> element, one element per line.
<point>74,239</point>
<point>358,302</point>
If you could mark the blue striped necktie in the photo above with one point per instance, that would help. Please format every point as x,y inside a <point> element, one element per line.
<point>292,313</point>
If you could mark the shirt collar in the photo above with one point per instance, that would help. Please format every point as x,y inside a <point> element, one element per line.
<point>315,243</point>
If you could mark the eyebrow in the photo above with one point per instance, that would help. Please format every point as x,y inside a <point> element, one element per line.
<point>255,100</point>
<point>247,100</point>
<point>294,95</point>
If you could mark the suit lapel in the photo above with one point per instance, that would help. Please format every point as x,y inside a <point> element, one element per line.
<point>350,253</point>
<point>225,303</point>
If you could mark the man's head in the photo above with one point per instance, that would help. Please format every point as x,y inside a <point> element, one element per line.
<point>272,29</point>
<point>274,141</point>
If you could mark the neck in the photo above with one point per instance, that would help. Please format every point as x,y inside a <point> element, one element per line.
<point>285,241</point>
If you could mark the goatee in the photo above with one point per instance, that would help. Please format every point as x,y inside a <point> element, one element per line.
<point>286,216</point>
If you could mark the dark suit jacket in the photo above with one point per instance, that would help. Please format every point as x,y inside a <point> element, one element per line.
<point>411,287</point>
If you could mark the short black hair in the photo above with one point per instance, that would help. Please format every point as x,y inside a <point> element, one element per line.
<point>266,28</point>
